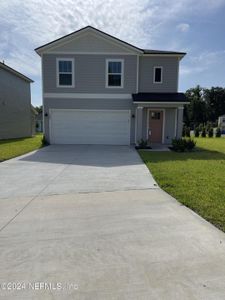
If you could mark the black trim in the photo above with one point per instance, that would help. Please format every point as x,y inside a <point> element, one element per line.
<point>159,97</point>
<point>149,51</point>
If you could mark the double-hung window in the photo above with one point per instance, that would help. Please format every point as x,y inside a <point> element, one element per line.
<point>114,73</point>
<point>157,75</point>
<point>65,72</point>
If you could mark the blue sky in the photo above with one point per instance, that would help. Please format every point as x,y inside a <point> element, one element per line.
<point>197,27</point>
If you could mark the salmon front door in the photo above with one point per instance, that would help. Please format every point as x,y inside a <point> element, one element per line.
<point>155,126</point>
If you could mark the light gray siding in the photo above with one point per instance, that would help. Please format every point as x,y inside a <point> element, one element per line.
<point>90,74</point>
<point>169,134</point>
<point>95,104</point>
<point>91,42</point>
<point>15,106</point>
<point>170,74</point>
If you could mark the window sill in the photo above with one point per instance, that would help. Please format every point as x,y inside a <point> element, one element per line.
<point>65,86</point>
<point>114,87</point>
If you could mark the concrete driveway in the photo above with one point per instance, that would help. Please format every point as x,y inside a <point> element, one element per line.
<point>60,169</point>
<point>121,244</point>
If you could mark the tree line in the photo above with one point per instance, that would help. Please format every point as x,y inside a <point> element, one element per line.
<point>206,105</point>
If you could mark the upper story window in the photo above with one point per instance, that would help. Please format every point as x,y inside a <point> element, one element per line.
<point>157,75</point>
<point>65,72</point>
<point>114,73</point>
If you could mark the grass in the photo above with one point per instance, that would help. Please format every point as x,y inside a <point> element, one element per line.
<point>15,147</point>
<point>196,179</point>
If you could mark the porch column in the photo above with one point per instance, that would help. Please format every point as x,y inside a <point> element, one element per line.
<point>139,121</point>
<point>180,111</point>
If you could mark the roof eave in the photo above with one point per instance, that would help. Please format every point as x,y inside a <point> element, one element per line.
<point>179,55</point>
<point>161,102</point>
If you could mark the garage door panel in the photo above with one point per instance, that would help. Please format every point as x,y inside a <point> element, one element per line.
<point>90,127</point>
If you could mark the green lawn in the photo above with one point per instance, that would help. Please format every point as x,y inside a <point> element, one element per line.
<point>196,179</point>
<point>15,147</point>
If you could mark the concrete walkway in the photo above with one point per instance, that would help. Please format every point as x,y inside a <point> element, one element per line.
<point>125,244</point>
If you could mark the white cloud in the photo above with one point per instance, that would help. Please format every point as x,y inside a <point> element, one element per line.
<point>183,27</point>
<point>208,57</point>
<point>29,24</point>
<point>26,25</point>
<point>202,62</point>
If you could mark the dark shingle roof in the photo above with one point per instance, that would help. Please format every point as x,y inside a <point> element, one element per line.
<point>159,97</point>
<point>148,51</point>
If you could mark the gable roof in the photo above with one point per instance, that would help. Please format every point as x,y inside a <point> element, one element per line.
<point>14,72</point>
<point>68,37</point>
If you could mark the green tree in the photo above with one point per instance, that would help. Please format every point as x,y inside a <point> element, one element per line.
<point>39,109</point>
<point>215,102</point>
<point>196,112</point>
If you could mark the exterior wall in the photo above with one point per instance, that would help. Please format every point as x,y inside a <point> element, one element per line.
<point>105,104</point>
<point>91,42</point>
<point>170,74</point>
<point>15,106</point>
<point>90,74</point>
<point>170,129</point>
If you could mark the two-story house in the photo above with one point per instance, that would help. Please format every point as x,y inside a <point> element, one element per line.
<point>98,89</point>
<point>16,112</point>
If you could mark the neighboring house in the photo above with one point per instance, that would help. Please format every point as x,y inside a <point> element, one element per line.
<point>16,113</point>
<point>221,123</point>
<point>98,89</point>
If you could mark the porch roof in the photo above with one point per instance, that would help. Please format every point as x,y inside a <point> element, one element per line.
<point>160,98</point>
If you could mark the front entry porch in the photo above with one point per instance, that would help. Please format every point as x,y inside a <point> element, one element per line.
<point>159,117</point>
<point>158,125</point>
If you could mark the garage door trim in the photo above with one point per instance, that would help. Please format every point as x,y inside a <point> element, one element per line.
<point>51,111</point>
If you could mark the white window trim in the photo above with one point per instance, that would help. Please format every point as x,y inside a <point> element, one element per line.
<point>158,82</point>
<point>106,73</point>
<point>57,72</point>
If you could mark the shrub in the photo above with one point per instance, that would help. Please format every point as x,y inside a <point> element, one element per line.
<point>218,132</point>
<point>143,144</point>
<point>196,131</point>
<point>187,131</point>
<point>201,126</point>
<point>181,145</point>
<point>178,145</point>
<point>190,144</point>
<point>208,126</point>
<point>183,131</point>
<point>203,133</point>
<point>210,132</point>
<point>44,141</point>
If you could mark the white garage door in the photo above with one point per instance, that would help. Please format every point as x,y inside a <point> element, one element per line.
<point>107,127</point>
